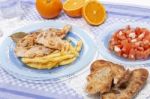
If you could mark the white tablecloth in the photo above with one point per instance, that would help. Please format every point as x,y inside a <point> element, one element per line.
<point>144,3</point>
<point>75,82</point>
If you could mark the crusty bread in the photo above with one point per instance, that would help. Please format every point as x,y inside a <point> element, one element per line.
<point>124,79</point>
<point>136,81</point>
<point>118,71</point>
<point>98,64</point>
<point>109,95</point>
<point>113,81</point>
<point>99,80</point>
<point>102,75</point>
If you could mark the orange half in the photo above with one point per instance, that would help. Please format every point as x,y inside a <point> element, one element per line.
<point>94,12</point>
<point>73,8</point>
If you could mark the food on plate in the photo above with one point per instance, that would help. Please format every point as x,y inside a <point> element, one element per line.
<point>94,12</point>
<point>102,74</point>
<point>118,70</point>
<point>131,43</point>
<point>73,8</point>
<point>55,59</point>
<point>135,83</point>
<point>46,48</point>
<point>49,8</point>
<point>113,81</point>
<point>50,39</point>
<point>98,78</point>
<point>54,39</point>
<point>15,37</point>
<point>34,51</point>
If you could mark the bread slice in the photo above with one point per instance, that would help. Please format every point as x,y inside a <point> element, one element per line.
<point>122,82</point>
<point>98,64</point>
<point>99,80</point>
<point>118,71</point>
<point>133,86</point>
<point>102,75</point>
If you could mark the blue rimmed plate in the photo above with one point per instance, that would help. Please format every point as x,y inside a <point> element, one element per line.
<point>106,35</point>
<point>10,63</point>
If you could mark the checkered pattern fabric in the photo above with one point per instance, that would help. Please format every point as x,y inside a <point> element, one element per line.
<point>115,14</point>
<point>59,88</point>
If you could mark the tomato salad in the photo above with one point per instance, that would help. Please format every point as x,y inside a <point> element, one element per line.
<point>131,43</point>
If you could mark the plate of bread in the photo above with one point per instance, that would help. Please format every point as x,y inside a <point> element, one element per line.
<point>114,81</point>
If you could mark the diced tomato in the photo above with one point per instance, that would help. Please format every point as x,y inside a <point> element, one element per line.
<point>147,36</point>
<point>146,53</point>
<point>146,47</point>
<point>144,30</point>
<point>131,43</point>
<point>147,32</point>
<point>138,31</point>
<point>127,32</point>
<point>137,44</point>
<point>120,46</point>
<point>126,48</point>
<point>141,36</point>
<point>146,44</point>
<point>121,37</point>
<point>139,55</point>
<point>140,48</point>
<point>129,39</point>
<point>124,41</point>
<point>132,54</point>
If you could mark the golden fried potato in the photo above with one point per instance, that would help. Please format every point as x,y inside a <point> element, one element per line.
<point>79,45</point>
<point>43,59</point>
<point>68,61</point>
<point>48,65</point>
<point>61,58</point>
<point>66,55</point>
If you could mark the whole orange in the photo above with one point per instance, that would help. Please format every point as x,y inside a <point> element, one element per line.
<point>49,8</point>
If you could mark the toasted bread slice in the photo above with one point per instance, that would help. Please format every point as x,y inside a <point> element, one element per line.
<point>102,75</point>
<point>135,83</point>
<point>100,80</point>
<point>98,64</point>
<point>122,82</point>
<point>117,70</point>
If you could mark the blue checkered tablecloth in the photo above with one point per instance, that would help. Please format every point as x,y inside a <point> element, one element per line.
<point>116,13</point>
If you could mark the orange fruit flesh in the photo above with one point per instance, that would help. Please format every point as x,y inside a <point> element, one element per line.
<point>73,8</point>
<point>74,4</point>
<point>94,13</point>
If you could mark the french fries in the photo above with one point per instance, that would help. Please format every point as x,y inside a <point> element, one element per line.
<point>65,56</point>
<point>79,46</point>
<point>67,61</point>
<point>48,65</point>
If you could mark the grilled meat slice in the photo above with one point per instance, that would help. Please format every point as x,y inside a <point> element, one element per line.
<point>34,51</point>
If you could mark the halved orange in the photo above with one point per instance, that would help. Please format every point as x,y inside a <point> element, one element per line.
<point>94,12</point>
<point>73,8</point>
